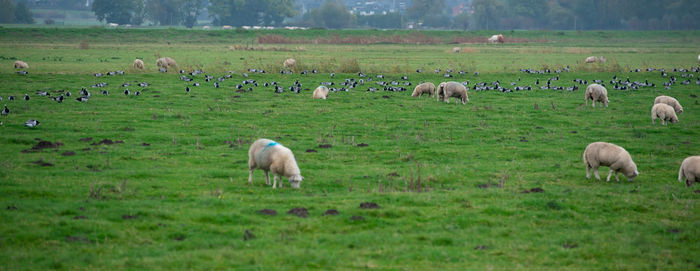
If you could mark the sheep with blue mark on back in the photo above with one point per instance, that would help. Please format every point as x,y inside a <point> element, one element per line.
<point>269,156</point>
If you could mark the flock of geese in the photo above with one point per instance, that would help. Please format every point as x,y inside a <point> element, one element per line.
<point>374,83</point>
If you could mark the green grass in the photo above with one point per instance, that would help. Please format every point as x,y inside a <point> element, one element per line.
<point>183,202</point>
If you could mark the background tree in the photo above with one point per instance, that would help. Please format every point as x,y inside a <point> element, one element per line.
<point>332,14</point>
<point>461,21</point>
<point>23,15</point>
<point>487,13</point>
<point>7,12</point>
<point>114,11</point>
<point>429,12</point>
<point>250,12</point>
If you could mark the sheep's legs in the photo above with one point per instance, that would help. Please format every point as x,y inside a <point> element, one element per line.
<point>595,172</point>
<point>610,173</point>
<point>616,177</point>
<point>267,177</point>
<point>274,181</point>
<point>588,172</point>
<point>250,177</point>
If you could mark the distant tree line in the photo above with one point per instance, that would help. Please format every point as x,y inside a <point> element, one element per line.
<point>11,13</point>
<point>333,14</point>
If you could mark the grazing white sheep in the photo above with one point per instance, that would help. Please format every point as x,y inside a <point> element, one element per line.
<point>424,88</point>
<point>227,27</point>
<point>669,101</point>
<point>269,156</point>
<point>21,65</point>
<point>289,63</point>
<point>664,112</point>
<point>591,59</point>
<point>496,39</point>
<point>456,50</point>
<point>165,62</point>
<point>597,93</point>
<point>446,90</point>
<point>609,155</point>
<point>698,58</point>
<point>321,92</point>
<point>112,25</point>
<point>690,170</point>
<point>602,59</point>
<point>138,64</point>
<point>206,27</point>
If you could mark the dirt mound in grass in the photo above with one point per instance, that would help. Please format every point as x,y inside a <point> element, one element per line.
<point>269,212</point>
<point>331,212</point>
<point>299,211</point>
<point>43,144</point>
<point>369,205</point>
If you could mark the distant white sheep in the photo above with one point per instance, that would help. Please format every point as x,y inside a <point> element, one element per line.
<point>669,101</point>
<point>227,27</point>
<point>593,59</point>
<point>321,92</point>
<point>138,64</point>
<point>165,62</point>
<point>289,63</point>
<point>456,50</point>
<point>21,65</point>
<point>269,156</point>
<point>496,39</point>
<point>112,25</point>
<point>597,93</point>
<point>206,27</point>
<point>610,155</point>
<point>664,112</point>
<point>446,90</point>
<point>690,170</point>
<point>424,88</point>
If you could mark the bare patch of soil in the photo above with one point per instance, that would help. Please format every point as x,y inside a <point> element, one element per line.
<point>533,190</point>
<point>42,163</point>
<point>43,144</point>
<point>68,153</point>
<point>325,146</point>
<point>311,150</point>
<point>127,217</point>
<point>78,217</point>
<point>269,212</point>
<point>357,218</point>
<point>369,205</point>
<point>248,235</point>
<point>570,245</point>
<point>481,247</point>
<point>393,174</point>
<point>362,145</point>
<point>299,211</point>
<point>86,139</point>
<point>331,212</point>
<point>12,207</point>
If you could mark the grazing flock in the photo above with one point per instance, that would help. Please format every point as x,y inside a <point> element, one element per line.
<point>269,155</point>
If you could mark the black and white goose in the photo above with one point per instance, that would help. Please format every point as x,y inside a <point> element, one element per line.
<point>5,111</point>
<point>26,97</point>
<point>82,99</point>
<point>31,123</point>
<point>104,92</point>
<point>127,92</point>
<point>67,93</point>
<point>187,89</point>
<point>11,98</point>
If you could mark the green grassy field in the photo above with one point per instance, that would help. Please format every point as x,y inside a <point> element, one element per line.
<point>450,180</point>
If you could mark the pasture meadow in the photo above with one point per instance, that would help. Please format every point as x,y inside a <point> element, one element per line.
<point>158,181</point>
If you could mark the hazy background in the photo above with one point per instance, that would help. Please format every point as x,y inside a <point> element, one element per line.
<point>382,14</point>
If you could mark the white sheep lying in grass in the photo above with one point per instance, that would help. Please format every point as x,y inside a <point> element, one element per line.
<point>321,92</point>
<point>609,155</point>
<point>269,156</point>
<point>21,65</point>
<point>165,62</point>
<point>424,88</point>
<point>289,63</point>
<point>597,93</point>
<point>664,112</point>
<point>456,50</point>
<point>690,170</point>
<point>669,101</point>
<point>138,64</point>
<point>446,90</point>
